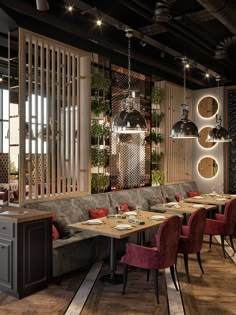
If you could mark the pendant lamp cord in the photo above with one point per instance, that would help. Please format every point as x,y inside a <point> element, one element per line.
<point>129,34</point>
<point>184,63</point>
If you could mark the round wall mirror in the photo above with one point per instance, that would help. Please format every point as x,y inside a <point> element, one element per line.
<point>203,137</point>
<point>208,167</point>
<point>208,107</point>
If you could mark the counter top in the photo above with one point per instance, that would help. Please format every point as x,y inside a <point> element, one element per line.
<point>19,214</point>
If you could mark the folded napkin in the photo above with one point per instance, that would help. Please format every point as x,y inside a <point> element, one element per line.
<point>136,221</point>
<point>116,216</point>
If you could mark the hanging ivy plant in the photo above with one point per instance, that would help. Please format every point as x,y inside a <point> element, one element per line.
<point>99,157</point>
<point>157,177</point>
<point>158,94</point>
<point>156,137</point>
<point>156,118</point>
<point>156,157</point>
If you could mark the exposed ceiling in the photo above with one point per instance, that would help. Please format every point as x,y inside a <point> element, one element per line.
<point>163,32</point>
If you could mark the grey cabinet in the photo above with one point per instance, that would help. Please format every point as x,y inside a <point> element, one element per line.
<point>25,255</point>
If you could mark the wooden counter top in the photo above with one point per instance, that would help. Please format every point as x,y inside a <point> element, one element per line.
<point>25,215</point>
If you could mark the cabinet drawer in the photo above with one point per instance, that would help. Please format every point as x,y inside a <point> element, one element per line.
<point>7,228</point>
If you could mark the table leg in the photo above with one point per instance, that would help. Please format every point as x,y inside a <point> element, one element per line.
<point>112,277</point>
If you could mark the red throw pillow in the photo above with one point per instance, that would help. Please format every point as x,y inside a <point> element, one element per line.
<point>193,193</point>
<point>125,207</point>
<point>55,232</point>
<point>98,213</point>
<point>178,197</point>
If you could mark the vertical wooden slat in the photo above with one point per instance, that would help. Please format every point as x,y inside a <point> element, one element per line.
<point>48,116</point>
<point>55,136</point>
<point>41,46</point>
<point>29,155</point>
<point>78,122</point>
<point>58,104</point>
<point>63,165</point>
<point>22,76</point>
<point>73,113</point>
<point>36,56</point>
<point>68,123</point>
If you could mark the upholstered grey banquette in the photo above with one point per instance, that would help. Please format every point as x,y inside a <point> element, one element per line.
<point>82,249</point>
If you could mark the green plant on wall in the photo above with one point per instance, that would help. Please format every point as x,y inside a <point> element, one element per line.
<point>100,88</point>
<point>156,137</point>
<point>100,183</point>
<point>100,129</point>
<point>158,94</point>
<point>156,157</point>
<point>157,177</point>
<point>99,157</point>
<point>156,118</point>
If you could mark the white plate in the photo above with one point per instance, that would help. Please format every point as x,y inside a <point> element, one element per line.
<point>19,212</point>
<point>197,197</point>
<point>158,217</point>
<point>221,199</point>
<point>128,213</point>
<point>172,203</point>
<point>94,221</point>
<point>233,196</point>
<point>123,227</point>
<point>197,206</point>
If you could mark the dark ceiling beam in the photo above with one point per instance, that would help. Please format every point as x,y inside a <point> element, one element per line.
<point>222,10</point>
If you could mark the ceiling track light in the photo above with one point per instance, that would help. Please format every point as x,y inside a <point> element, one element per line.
<point>184,128</point>
<point>42,5</point>
<point>162,12</point>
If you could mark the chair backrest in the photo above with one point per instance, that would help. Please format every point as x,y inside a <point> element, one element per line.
<point>196,226</point>
<point>167,240</point>
<point>230,217</point>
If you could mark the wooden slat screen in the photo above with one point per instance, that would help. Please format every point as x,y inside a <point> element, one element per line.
<point>55,105</point>
<point>178,152</point>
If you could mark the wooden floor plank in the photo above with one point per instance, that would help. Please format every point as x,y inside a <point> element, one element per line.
<point>213,293</point>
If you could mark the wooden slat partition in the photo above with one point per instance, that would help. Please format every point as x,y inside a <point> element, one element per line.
<point>55,160</point>
<point>177,152</point>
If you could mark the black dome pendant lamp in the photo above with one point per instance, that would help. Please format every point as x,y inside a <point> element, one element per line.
<point>129,120</point>
<point>219,133</point>
<point>184,128</point>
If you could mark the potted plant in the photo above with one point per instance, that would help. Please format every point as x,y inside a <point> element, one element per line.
<point>156,137</point>
<point>156,118</point>
<point>100,183</point>
<point>158,94</point>
<point>157,177</point>
<point>100,133</point>
<point>156,157</point>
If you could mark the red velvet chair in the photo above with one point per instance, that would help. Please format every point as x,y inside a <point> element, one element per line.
<point>162,256</point>
<point>223,224</point>
<point>190,241</point>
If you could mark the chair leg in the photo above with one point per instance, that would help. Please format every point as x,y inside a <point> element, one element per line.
<point>148,273</point>
<point>125,271</point>
<point>156,285</point>
<point>186,266</point>
<point>231,242</point>
<point>210,241</point>
<point>223,244</point>
<point>199,261</point>
<point>172,271</point>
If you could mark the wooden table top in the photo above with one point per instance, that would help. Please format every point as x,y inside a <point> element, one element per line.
<point>184,207</point>
<point>107,228</point>
<point>218,200</point>
<point>19,214</point>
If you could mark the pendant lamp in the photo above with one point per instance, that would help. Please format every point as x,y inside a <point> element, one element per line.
<point>129,120</point>
<point>219,133</point>
<point>184,128</point>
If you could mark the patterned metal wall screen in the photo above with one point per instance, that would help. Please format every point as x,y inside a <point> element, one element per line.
<point>232,145</point>
<point>4,164</point>
<point>130,153</point>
